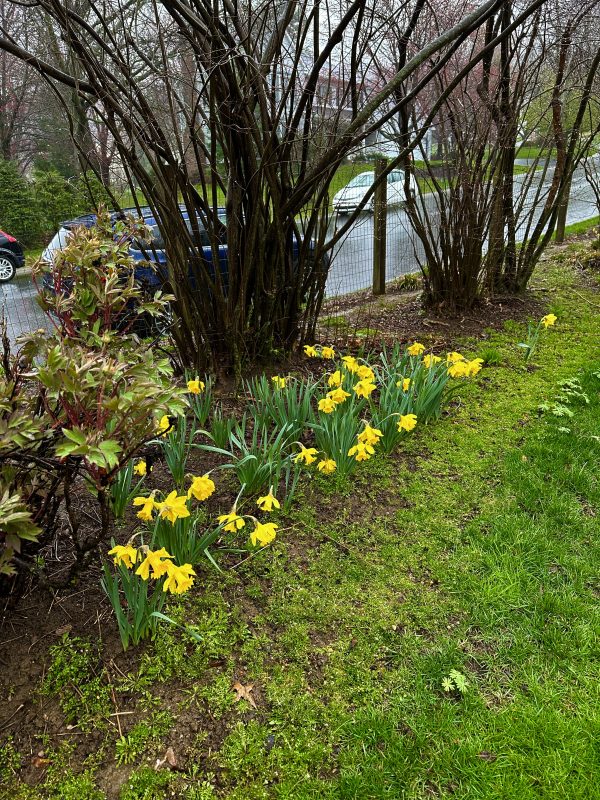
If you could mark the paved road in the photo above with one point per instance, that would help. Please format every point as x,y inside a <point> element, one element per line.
<point>352,263</point>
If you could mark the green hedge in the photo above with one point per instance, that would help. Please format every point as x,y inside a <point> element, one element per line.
<point>32,210</point>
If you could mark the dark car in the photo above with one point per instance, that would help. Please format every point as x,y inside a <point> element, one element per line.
<point>151,268</point>
<point>11,257</point>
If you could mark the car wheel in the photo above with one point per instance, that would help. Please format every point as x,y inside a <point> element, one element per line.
<point>7,269</point>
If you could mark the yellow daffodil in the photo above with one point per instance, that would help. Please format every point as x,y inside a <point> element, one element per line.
<point>454,358</point>
<point>365,373</point>
<point>369,435</point>
<point>173,507</point>
<point>140,468</point>
<point>328,352</point>
<point>429,361</point>
<point>310,351</point>
<point>148,505</point>
<point>196,386</point>
<point>361,451</point>
<point>415,349</point>
<point>327,405</point>
<point>327,466</point>
<point>548,320</point>
<point>202,487</point>
<point>163,425</point>
<point>404,383</point>
<point>364,388</point>
<point>474,366</point>
<point>335,379</point>
<point>124,554</point>
<point>231,522</point>
<point>306,454</point>
<point>279,381</point>
<point>157,561</point>
<point>263,533</point>
<point>338,395</point>
<point>407,422</point>
<point>179,579</point>
<point>350,363</point>
<point>458,369</point>
<point>268,502</point>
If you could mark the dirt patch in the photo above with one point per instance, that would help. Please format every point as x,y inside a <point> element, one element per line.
<point>365,321</point>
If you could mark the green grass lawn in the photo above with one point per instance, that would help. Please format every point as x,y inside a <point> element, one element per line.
<point>472,555</point>
<point>341,178</point>
<point>535,151</point>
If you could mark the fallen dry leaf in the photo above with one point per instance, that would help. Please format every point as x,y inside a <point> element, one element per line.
<point>39,763</point>
<point>170,759</point>
<point>243,692</point>
<point>63,629</point>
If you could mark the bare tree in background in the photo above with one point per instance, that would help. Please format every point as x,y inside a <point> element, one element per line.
<point>281,96</point>
<point>19,87</point>
<point>473,208</point>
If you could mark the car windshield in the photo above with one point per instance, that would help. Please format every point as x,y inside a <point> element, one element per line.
<point>366,179</point>
<point>156,241</point>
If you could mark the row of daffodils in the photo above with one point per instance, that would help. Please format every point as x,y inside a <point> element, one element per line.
<point>331,424</point>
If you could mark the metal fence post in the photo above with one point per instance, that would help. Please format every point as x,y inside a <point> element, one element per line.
<point>379,229</point>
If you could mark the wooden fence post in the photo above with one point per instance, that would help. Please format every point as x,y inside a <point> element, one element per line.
<point>379,229</point>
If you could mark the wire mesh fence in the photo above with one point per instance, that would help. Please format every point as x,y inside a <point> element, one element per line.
<point>19,307</point>
<point>352,257</point>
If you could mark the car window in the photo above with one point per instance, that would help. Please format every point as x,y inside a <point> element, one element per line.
<point>365,179</point>
<point>395,177</point>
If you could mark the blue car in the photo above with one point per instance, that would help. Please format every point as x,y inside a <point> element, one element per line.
<point>151,277</point>
<point>154,251</point>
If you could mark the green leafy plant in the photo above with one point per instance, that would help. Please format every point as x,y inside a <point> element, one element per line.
<point>95,392</point>
<point>176,445</point>
<point>16,527</point>
<point>490,356</point>
<point>201,401</point>
<point>455,681</point>
<point>221,428</point>
<point>76,678</point>
<point>533,334</point>
<point>123,489</point>
<point>282,402</point>
<point>258,457</point>
<point>134,600</point>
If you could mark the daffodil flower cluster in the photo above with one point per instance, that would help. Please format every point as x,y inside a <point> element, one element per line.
<point>315,352</point>
<point>155,564</point>
<point>459,367</point>
<point>174,506</point>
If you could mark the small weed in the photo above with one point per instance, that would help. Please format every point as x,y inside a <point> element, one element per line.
<point>334,322</point>
<point>367,332</point>
<point>131,746</point>
<point>491,357</point>
<point>82,693</point>
<point>244,749</point>
<point>10,761</point>
<point>147,784</point>
<point>408,283</point>
<point>217,695</point>
<point>455,681</point>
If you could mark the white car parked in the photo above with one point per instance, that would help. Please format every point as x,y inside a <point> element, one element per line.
<point>348,198</point>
